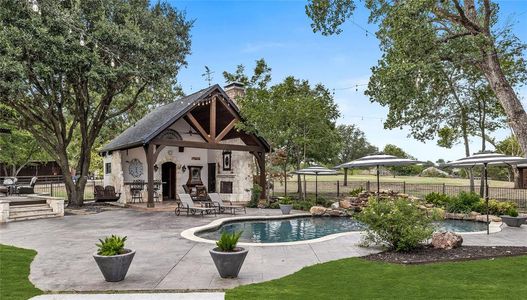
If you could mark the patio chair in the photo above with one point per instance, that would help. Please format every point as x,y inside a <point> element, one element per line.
<point>27,189</point>
<point>136,189</point>
<point>4,190</point>
<point>215,198</point>
<point>187,204</point>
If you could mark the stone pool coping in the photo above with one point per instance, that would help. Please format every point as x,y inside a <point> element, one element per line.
<point>190,233</point>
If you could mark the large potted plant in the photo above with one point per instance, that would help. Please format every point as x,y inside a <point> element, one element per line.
<point>226,256</point>
<point>512,219</point>
<point>286,205</point>
<point>113,258</point>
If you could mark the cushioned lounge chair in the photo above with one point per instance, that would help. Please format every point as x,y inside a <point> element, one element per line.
<point>27,189</point>
<point>187,204</point>
<point>215,198</point>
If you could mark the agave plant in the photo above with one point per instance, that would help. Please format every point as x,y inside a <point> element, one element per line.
<point>111,245</point>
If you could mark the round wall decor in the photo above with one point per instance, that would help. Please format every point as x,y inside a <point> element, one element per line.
<point>135,168</point>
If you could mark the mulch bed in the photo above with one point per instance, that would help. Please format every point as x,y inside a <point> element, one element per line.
<point>428,254</point>
<point>90,208</point>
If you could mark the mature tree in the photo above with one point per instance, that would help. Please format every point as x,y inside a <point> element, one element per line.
<point>394,150</point>
<point>416,36</point>
<point>293,116</point>
<point>510,146</point>
<point>17,148</point>
<point>69,67</point>
<point>354,143</point>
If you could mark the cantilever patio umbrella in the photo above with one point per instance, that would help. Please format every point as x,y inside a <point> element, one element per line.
<point>377,161</point>
<point>315,170</point>
<point>485,159</point>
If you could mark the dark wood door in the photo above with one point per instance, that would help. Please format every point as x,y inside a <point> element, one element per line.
<point>168,178</point>
<point>212,178</point>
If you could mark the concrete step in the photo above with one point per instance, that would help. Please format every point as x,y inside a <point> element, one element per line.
<point>34,217</point>
<point>29,208</point>
<point>22,214</point>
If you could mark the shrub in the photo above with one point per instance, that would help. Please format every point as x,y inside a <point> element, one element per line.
<point>228,241</point>
<point>464,203</point>
<point>323,201</point>
<point>274,205</point>
<point>499,208</point>
<point>438,199</point>
<point>256,191</point>
<point>286,201</point>
<point>302,205</point>
<point>356,192</point>
<point>399,224</point>
<point>112,245</point>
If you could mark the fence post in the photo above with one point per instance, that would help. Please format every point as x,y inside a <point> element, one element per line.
<point>404,187</point>
<point>51,190</point>
<point>444,188</point>
<point>338,189</point>
<point>368,186</point>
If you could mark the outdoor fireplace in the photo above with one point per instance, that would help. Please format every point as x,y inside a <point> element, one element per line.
<point>226,187</point>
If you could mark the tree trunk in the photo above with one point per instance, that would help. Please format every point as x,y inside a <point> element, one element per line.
<point>467,148</point>
<point>517,117</point>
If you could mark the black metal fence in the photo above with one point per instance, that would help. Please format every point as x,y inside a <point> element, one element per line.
<point>334,189</point>
<point>58,189</point>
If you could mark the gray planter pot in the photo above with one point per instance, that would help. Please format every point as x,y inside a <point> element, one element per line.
<point>228,263</point>
<point>513,221</point>
<point>114,268</point>
<point>286,208</point>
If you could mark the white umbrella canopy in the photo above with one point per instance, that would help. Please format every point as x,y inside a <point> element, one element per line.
<point>315,170</point>
<point>487,159</point>
<point>377,161</point>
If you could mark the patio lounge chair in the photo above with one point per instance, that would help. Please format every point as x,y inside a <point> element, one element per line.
<point>27,189</point>
<point>4,190</point>
<point>215,198</point>
<point>106,194</point>
<point>187,204</point>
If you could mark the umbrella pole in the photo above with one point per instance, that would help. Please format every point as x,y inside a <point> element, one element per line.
<point>378,184</point>
<point>486,195</point>
<point>305,187</point>
<point>316,188</point>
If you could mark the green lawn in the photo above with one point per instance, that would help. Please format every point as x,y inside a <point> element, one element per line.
<point>14,272</point>
<point>356,278</point>
<point>407,179</point>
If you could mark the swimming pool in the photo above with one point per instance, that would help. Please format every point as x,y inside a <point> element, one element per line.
<point>308,228</point>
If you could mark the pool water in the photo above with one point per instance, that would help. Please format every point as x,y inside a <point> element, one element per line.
<point>308,228</point>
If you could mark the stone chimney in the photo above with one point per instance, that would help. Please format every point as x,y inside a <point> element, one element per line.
<point>234,90</point>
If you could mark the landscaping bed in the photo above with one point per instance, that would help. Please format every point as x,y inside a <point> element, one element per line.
<point>90,208</point>
<point>428,254</point>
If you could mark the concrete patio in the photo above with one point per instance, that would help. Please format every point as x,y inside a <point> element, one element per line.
<point>165,260</point>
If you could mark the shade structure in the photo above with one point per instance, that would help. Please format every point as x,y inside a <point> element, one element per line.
<point>315,170</point>
<point>377,161</point>
<point>485,159</point>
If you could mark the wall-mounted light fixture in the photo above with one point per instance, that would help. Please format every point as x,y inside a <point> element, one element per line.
<point>156,168</point>
<point>184,168</point>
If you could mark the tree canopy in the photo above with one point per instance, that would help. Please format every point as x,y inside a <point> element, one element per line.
<point>354,143</point>
<point>69,68</point>
<point>420,40</point>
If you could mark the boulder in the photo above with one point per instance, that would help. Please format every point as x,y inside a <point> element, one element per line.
<point>446,240</point>
<point>429,205</point>
<point>345,204</point>
<point>483,218</point>
<point>317,210</point>
<point>336,213</point>
<point>335,205</point>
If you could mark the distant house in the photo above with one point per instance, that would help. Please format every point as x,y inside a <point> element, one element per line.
<point>187,144</point>
<point>35,168</point>
<point>523,176</point>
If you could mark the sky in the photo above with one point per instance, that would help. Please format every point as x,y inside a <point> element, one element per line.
<point>229,33</point>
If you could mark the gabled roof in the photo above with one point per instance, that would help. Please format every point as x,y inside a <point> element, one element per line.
<point>163,117</point>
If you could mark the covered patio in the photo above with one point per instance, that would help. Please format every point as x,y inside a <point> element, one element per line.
<point>189,145</point>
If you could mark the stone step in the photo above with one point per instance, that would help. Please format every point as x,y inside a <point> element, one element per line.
<point>40,212</point>
<point>28,208</point>
<point>35,217</point>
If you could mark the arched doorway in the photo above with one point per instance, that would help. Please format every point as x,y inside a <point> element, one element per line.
<point>168,178</point>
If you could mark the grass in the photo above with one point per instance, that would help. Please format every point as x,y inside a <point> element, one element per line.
<point>356,278</point>
<point>14,273</point>
<point>407,179</point>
